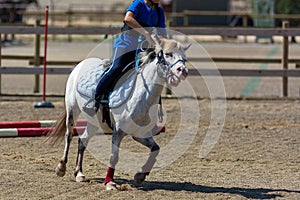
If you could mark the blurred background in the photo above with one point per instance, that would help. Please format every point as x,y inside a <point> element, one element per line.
<point>233,13</point>
<point>237,52</point>
<point>13,7</point>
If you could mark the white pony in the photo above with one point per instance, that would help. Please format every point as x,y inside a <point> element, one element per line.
<point>164,64</point>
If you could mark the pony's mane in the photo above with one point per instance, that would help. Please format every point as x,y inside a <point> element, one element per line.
<point>167,45</point>
<point>146,56</point>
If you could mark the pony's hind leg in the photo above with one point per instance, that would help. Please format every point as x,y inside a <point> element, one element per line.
<point>69,124</point>
<point>146,168</point>
<point>82,144</point>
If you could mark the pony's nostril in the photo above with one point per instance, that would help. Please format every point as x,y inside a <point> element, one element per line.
<point>185,73</point>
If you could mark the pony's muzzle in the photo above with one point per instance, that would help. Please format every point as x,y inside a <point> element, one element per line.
<point>180,71</point>
<point>185,73</point>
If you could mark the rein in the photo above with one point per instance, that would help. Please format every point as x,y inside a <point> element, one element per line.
<point>162,63</point>
<point>167,69</point>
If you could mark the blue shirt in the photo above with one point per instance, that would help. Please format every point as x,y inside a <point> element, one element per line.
<point>147,17</point>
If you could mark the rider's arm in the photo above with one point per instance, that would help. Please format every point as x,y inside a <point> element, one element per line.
<point>133,23</point>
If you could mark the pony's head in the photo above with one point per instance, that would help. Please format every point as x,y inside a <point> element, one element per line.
<point>171,59</point>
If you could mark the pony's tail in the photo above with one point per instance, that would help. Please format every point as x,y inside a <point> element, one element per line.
<point>56,135</point>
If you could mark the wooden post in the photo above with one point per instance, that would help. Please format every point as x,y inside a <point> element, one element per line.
<point>185,18</point>
<point>37,59</point>
<point>0,63</point>
<point>285,61</point>
<point>52,8</point>
<point>245,24</point>
<point>69,15</point>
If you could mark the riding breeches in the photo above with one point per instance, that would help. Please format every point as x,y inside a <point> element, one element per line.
<point>120,60</point>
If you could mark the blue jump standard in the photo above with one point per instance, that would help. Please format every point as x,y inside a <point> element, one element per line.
<point>43,104</point>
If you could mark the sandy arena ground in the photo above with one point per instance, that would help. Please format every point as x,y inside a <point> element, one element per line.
<point>256,156</point>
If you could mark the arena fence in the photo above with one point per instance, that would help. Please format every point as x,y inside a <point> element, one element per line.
<point>285,32</point>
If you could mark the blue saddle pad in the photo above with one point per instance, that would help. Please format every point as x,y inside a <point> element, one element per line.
<point>87,84</point>
<point>122,92</point>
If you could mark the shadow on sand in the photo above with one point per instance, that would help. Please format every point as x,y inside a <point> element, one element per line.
<point>250,193</point>
<point>255,193</point>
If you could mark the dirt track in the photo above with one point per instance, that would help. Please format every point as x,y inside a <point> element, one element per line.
<point>257,156</point>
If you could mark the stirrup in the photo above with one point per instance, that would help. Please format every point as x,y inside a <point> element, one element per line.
<point>91,111</point>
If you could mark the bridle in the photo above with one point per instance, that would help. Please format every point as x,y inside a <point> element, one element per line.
<point>165,65</point>
<point>161,63</point>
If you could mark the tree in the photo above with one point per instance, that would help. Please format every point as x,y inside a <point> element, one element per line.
<point>288,7</point>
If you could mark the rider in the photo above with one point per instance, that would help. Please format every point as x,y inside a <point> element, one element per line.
<point>140,15</point>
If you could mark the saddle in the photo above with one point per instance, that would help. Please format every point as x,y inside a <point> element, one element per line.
<point>118,96</point>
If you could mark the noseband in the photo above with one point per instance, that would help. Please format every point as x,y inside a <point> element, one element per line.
<point>166,66</point>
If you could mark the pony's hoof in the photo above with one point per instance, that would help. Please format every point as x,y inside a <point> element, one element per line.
<point>80,177</point>
<point>111,186</point>
<point>60,169</point>
<point>139,179</point>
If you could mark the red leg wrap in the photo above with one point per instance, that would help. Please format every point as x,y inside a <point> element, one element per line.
<point>109,175</point>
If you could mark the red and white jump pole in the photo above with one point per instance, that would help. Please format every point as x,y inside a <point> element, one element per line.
<point>33,132</point>
<point>40,128</point>
<point>43,103</point>
<point>34,128</point>
<point>35,124</point>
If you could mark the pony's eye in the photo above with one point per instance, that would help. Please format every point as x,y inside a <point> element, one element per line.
<point>169,54</point>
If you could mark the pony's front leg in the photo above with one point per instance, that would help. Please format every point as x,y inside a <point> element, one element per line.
<point>114,158</point>
<point>146,168</point>
<point>82,144</point>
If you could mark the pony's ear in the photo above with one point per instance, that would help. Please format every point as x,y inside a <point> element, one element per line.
<point>158,43</point>
<point>186,46</point>
<point>156,39</point>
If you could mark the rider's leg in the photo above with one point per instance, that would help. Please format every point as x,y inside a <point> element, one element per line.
<point>120,60</point>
